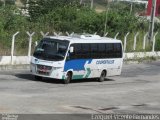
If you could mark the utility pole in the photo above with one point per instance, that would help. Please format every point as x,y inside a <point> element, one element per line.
<point>151,26</point>
<point>80,2</point>
<point>105,24</point>
<point>131,7</point>
<point>92,4</point>
<point>4,3</point>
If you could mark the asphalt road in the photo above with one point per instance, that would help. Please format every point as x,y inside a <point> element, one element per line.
<point>137,90</point>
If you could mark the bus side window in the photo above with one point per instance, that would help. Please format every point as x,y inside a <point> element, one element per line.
<point>77,51</point>
<point>118,50</point>
<point>85,51</point>
<point>109,50</point>
<point>101,50</point>
<point>94,50</point>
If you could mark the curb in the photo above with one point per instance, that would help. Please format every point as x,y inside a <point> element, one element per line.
<point>14,67</point>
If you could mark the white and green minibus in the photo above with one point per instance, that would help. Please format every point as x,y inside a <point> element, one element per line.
<point>77,57</point>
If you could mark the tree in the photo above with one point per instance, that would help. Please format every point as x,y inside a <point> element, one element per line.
<point>38,8</point>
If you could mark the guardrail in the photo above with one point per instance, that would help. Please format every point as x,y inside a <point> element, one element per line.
<point>13,60</point>
<point>22,60</point>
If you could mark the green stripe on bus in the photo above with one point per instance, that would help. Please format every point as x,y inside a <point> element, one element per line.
<point>88,73</point>
<point>74,77</point>
<point>63,77</point>
<point>77,76</point>
<point>80,76</point>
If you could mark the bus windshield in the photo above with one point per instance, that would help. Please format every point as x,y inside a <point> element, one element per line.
<point>51,49</point>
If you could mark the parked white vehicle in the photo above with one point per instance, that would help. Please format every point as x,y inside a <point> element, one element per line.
<point>77,57</point>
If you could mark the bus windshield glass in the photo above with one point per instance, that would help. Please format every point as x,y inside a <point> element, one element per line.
<point>51,49</point>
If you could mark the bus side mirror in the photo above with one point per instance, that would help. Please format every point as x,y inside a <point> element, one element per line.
<point>71,49</point>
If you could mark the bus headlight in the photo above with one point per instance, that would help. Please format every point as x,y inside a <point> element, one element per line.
<point>55,68</point>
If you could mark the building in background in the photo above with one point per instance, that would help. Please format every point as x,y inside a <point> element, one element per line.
<point>157,13</point>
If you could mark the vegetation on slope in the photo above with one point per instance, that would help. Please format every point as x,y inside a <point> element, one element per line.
<point>61,16</point>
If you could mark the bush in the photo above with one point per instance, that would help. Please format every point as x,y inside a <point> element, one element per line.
<point>62,15</point>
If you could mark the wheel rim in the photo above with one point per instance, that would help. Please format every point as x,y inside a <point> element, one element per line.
<point>68,78</point>
<point>103,75</point>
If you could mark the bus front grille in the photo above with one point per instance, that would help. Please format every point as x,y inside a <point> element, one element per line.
<point>44,70</point>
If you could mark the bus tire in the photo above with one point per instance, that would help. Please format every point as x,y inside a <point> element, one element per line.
<point>37,77</point>
<point>102,76</point>
<point>68,78</point>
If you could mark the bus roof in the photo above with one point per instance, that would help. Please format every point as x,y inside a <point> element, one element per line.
<point>85,39</point>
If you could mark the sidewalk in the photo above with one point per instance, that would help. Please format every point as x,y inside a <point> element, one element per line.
<point>14,67</point>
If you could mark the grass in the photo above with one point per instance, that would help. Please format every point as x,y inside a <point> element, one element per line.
<point>139,43</point>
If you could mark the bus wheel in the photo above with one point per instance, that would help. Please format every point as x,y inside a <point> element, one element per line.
<point>37,77</point>
<point>103,76</point>
<point>68,78</point>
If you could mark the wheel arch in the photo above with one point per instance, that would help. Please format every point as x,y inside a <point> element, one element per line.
<point>104,71</point>
<point>69,71</point>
